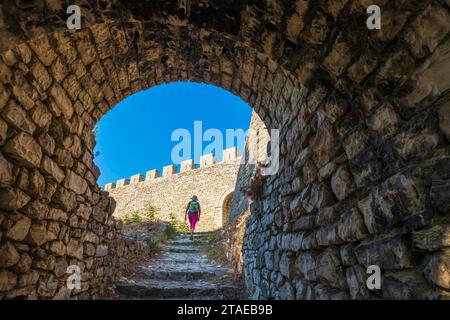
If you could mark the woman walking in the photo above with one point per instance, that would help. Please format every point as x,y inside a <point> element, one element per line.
<point>192,212</point>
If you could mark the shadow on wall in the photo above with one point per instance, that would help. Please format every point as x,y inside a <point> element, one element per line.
<point>233,236</point>
<point>226,207</point>
<point>237,211</point>
<point>256,147</point>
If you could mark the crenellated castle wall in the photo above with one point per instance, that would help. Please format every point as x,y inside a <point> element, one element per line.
<point>213,182</point>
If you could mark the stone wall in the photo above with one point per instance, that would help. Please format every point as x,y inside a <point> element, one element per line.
<point>365,146</point>
<point>364,175</point>
<point>232,235</point>
<point>211,183</point>
<point>45,228</point>
<point>256,147</point>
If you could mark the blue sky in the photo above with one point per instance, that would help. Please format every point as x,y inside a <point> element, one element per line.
<point>135,136</point>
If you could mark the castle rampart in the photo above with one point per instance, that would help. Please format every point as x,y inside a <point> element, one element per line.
<point>212,182</point>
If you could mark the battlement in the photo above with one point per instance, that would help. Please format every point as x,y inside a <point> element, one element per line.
<point>229,155</point>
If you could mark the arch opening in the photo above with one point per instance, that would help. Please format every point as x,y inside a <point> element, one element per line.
<point>172,141</point>
<point>360,126</point>
<point>224,204</point>
<point>226,208</point>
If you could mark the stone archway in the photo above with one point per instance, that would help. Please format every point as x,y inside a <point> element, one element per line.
<point>224,205</point>
<point>364,136</point>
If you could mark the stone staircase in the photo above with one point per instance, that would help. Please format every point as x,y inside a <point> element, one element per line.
<point>180,272</point>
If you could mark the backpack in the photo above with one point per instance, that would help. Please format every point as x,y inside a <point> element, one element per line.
<point>193,206</point>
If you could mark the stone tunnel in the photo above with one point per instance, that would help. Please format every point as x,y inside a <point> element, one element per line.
<point>364,120</point>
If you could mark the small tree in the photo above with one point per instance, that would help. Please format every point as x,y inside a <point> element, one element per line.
<point>95,130</point>
<point>134,217</point>
<point>179,226</point>
<point>150,213</point>
<point>255,190</point>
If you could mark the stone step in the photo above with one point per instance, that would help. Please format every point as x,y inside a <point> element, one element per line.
<point>186,242</point>
<point>182,262</point>
<point>181,275</point>
<point>163,289</point>
<point>198,236</point>
<point>180,249</point>
<point>195,264</point>
<point>193,298</point>
<point>180,257</point>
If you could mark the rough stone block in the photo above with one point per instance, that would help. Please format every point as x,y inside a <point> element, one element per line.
<point>187,165</point>
<point>433,238</point>
<point>169,170</point>
<point>428,29</point>
<point>122,182</point>
<point>388,253</point>
<point>75,249</point>
<point>437,269</point>
<point>351,226</point>
<point>8,280</point>
<point>24,149</point>
<point>75,183</point>
<point>306,266</point>
<point>41,75</point>
<point>37,235</point>
<point>348,255</point>
<point>229,154</point>
<point>12,198</point>
<point>356,280</point>
<point>440,187</point>
<point>6,172</point>
<point>207,160</point>
<point>444,119</point>
<point>152,174</point>
<point>406,285</point>
<point>17,226</point>
<point>110,186</point>
<point>17,117</point>
<point>384,121</point>
<point>397,199</point>
<point>342,183</point>
<point>62,100</point>
<point>414,144</point>
<point>101,251</point>
<point>329,269</point>
<point>8,255</point>
<point>43,49</point>
<point>136,178</point>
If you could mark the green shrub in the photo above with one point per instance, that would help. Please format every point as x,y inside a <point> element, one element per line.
<point>95,130</point>
<point>179,226</point>
<point>154,246</point>
<point>134,217</point>
<point>214,247</point>
<point>150,213</point>
<point>183,227</point>
<point>171,233</point>
<point>173,221</point>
